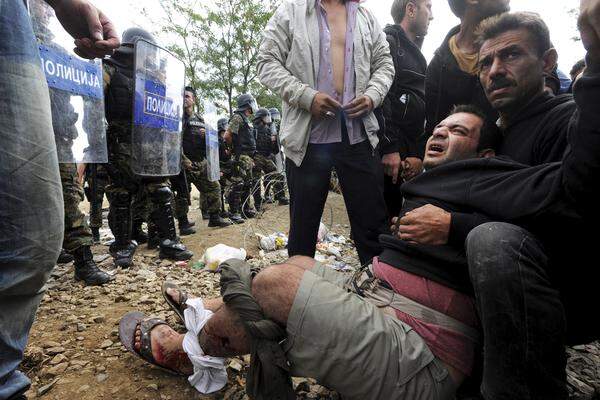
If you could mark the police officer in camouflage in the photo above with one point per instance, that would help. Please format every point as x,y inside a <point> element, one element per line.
<point>194,149</point>
<point>280,185</point>
<point>226,164</point>
<point>241,135</point>
<point>119,84</point>
<point>266,148</point>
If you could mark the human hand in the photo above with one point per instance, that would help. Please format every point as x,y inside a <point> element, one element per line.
<point>186,163</point>
<point>392,163</point>
<point>202,132</point>
<point>359,106</point>
<point>589,27</point>
<point>324,106</point>
<point>411,167</point>
<point>425,225</point>
<point>95,35</point>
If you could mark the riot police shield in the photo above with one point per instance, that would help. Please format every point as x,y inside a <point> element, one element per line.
<point>212,141</point>
<point>75,89</point>
<point>157,111</point>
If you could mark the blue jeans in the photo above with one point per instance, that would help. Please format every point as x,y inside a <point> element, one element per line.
<point>521,313</point>
<point>31,211</point>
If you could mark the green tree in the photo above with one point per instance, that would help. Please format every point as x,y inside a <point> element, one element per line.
<point>218,42</point>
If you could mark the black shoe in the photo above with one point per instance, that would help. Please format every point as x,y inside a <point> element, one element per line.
<point>225,214</point>
<point>64,257</point>
<point>185,228</point>
<point>174,250</point>
<point>123,254</point>
<point>249,213</point>
<point>217,221</point>
<point>138,234</point>
<point>269,200</point>
<point>96,235</point>
<point>205,215</point>
<point>237,219</point>
<point>86,269</point>
<point>283,201</point>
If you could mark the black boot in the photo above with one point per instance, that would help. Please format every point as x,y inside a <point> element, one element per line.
<point>283,201</point>
<point>185,228</point>
<point>235,206</point>
<point>64,257</point>
<point>119,220</point>
<point>137,233</point>
<point>205,215</point>
<point>153,240</point>
<point>217,221</point>
<point>86,269</point>
<point>96,235</point>
<point>170,246</point>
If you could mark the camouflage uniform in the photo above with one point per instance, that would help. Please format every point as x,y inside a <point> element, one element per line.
<point>266,149</point>
<point>97,198</point>
<point>242,180</point>
<point>126,185</point>
<point>77,233</point>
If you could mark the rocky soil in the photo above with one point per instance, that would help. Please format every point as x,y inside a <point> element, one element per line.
<point>74,350</point>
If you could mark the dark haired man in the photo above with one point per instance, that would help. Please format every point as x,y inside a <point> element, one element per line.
<point>415,329</point>
<point>330,63</point>
<point>452,73</point>
<point>404,106</point>
<point>525,285</point>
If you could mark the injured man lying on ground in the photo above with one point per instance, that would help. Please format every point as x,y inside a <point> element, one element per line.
<point>402,330</point>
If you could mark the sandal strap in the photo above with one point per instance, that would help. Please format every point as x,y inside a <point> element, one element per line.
<point>146,327</point>
<point>183,298</point>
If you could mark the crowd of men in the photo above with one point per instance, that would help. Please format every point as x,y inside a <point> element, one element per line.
<point>469,184</point>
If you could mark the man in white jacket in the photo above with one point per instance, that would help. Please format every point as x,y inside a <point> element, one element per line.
<point>330,63</point>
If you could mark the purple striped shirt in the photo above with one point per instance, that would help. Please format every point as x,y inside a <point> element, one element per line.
<point>329,130</point>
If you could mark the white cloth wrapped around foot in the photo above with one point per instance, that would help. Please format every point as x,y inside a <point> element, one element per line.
<point>210,374</point>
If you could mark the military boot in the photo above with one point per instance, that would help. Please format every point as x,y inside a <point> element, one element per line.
<point>234,207</point>
<point>185,228</point>
<point>283,200</point>
<point>119,220</point>
<point>64,257</point>
<point>153,240</point>
<point>205,215</point>
<point>137,233</point>
<point>216,221</point>
<point>86,269</point>
<point>170,245</point>
<point>96,235</point>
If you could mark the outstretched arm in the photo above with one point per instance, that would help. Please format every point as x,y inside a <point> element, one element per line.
<point>95,35</point>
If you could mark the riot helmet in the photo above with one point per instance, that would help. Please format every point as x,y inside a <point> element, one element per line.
<point>275,115</point>
<point>131,35</point>
<point>245,101</point>
<point>262,114</point>
<point>222,124</point>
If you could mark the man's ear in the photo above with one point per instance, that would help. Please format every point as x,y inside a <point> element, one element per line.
<point>411,9</point>
<point>550,59</point>
<point>486,153</point>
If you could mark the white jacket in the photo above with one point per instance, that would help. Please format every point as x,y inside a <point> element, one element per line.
<point>288,64</point>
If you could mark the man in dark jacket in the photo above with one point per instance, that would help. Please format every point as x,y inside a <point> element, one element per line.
<point>521,286</point>
<point>404,106</point>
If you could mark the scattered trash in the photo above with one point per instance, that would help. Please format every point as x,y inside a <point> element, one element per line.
<point>198,265</point>
<point>214,256</point>
<point>275,241</point>
<point>181,264</point>
<point>323,231</point>
<point>340,266</point>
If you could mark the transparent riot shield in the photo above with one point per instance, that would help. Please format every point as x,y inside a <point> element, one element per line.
<point>76,91</point>
<point>157,111</point>
<point>212,141</point>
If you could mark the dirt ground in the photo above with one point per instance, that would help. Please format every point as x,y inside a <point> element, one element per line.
<point>74,350</point>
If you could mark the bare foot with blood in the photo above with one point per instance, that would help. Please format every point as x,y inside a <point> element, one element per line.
<point>166,348</point>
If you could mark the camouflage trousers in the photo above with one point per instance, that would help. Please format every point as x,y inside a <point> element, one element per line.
<point>77,233</point>
<point>242,181</point>
<point>210,192</point>
<point>276,181</point>
<point>124,181</point>
<point>97,197</point>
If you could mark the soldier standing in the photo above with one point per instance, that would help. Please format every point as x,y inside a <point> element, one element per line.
<point>194,148</point>
<point>279,181</point>
<point>226,164</point>
<point>119,82</point>
<point>240,134</point>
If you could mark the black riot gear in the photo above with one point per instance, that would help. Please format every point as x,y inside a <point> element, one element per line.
<point>222,125</point>
<point>264,144</point>
<point>275,114</point>
<point>264,115</point>
<point>131,35</point>
<point>194,139</point>
<point>244,142</point>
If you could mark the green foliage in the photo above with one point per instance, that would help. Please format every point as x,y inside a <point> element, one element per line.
<point>218,42</point>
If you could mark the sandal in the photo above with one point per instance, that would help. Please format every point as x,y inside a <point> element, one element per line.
<point>127,327</point>
<point>180,307</point>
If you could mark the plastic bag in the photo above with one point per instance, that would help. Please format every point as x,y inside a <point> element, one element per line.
<point>214,256</point>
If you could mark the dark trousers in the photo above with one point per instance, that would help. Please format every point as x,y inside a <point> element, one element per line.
<point>361,178</point>
<point>521,313</point>
<point>393,196</point>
